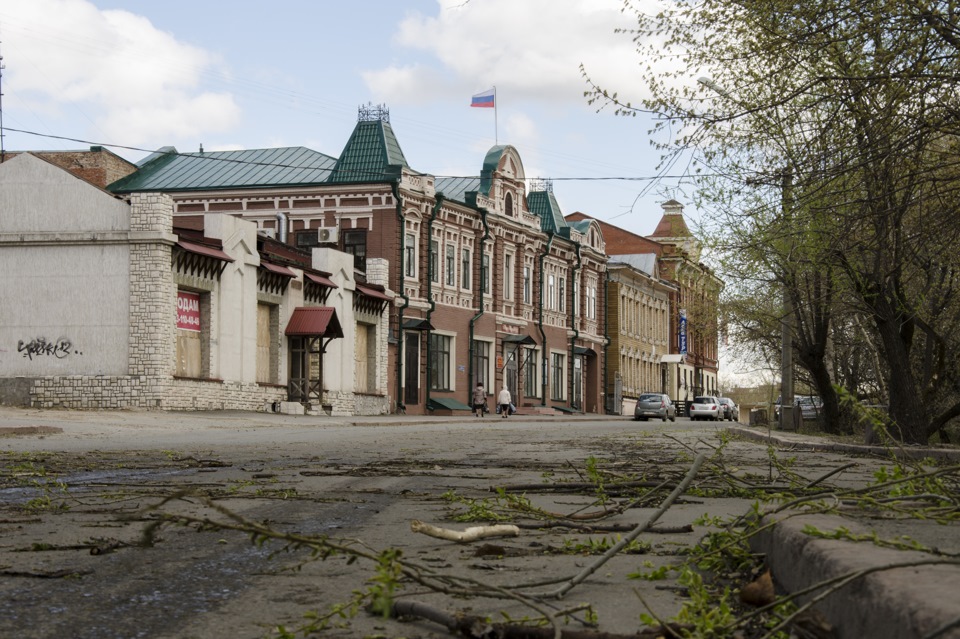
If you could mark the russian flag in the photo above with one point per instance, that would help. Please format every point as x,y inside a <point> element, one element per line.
<point>484,100</point>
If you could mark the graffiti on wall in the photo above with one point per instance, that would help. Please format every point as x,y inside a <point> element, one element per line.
<point>42,347</point>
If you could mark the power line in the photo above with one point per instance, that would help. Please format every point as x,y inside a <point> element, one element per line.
<point>210,157</point>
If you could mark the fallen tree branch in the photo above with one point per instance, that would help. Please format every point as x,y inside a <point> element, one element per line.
<point>470,534</point>
<point>477,627</point>
<point>592,568</point>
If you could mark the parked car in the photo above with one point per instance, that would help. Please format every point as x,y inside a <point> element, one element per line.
<point>655,405</point>
<point>705,407</point>
<point>730,409</point>
<point>809,406</point>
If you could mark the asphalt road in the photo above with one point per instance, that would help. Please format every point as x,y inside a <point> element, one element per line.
<point>80,489</point>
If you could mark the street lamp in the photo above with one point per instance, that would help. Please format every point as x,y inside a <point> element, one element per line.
<point>786,321</point>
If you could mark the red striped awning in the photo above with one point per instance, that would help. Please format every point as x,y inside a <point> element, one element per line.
<point>314,321</point>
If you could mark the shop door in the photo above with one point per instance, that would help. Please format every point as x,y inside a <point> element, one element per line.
<point>411,366</point>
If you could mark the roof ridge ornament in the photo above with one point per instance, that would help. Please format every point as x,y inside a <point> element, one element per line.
<point>373,112</point>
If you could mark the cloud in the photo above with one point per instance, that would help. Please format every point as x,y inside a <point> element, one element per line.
<point>531,50</point>
<point>142,83</point>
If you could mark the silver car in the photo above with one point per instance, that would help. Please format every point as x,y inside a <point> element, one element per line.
<point>705,407</point>
<point>730,409</point>
<point>656,405</point>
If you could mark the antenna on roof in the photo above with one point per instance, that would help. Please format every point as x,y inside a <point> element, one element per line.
<point>373,112</point>
<point>541,184</point>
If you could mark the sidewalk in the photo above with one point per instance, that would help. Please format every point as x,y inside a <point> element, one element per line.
<point>919,601</point>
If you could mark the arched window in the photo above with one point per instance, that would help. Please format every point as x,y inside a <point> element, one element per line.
<point>508,205</point>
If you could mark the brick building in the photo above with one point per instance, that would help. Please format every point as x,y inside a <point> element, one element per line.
<point>689,363</point>
<point>489,282</point>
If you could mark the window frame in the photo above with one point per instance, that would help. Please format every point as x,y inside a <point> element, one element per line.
<point>450,264</point>
<point>410,255</point>
<point>441,361</point>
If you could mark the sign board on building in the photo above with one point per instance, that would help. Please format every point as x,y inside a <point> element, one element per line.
<point>682,332</point>
<point>188,311</point>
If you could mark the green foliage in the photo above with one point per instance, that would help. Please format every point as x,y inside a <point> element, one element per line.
<point>592,546</point>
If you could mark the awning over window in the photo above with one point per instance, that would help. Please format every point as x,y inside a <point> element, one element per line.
<point>417,324</point>
<point>200,249</point>
<point>276,268</point>
<point>581,350</point>
<point>372,292</point>
<point>320,279</point>
<point>314,321</point>
<point>522,340</point>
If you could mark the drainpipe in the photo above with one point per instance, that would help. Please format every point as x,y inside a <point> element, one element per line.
<point>573,324</point>
<point>395,188</point>
<point>433,305</point>
<point>282,226</point>
<point>606,342</point>
<point>543,335</point>
<point>473,320</point>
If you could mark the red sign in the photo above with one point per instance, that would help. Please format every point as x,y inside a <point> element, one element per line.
<point>188,311</point>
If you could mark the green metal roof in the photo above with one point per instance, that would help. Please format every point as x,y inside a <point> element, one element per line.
<point>168,170</point>
<point>370,151</point>
<point>490,163</point>
<point>544,204</point>
<point>580,226</point>
<point>456,188</point>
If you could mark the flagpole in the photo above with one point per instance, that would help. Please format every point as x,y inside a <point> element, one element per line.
<point>496,139</point>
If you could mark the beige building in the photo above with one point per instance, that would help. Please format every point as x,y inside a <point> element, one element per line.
<point>638,307</point>
<point>107,304</point>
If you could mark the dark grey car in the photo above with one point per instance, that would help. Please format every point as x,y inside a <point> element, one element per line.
<point>656,405</point>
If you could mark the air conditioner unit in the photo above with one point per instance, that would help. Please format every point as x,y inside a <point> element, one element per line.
<point>271,233</point>
<point>328,235</point>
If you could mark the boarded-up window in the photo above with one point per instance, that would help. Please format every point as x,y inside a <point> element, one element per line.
<point>365,356</point>
<point>267,347</point>
<point>189,335</point>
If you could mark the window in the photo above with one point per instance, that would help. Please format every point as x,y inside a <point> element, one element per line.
<point>355,243</point>
<point>481,364</point>
<point>465,269</point>
<point>576,297</point>
<point>531,386</point>
<point>434,258</point>
<point>410,255</point>
<point>551,292</point>
<point>557,373</point>
<point>508,276</point>
<point>591,302</point>
<point>527,289</point>
<point>508,205</point>
<point>485,273</point>
<point>562,299</point>
<point>451,266</point>
<point>440,347</point>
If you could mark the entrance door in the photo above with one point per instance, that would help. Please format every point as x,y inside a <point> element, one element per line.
<point>577,382</point>
<point>510,375</point>
<point>411,365</point>
<point>299,383</point>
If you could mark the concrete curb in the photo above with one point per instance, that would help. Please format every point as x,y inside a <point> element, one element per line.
<point>801,442</point>
<point>900,602</point>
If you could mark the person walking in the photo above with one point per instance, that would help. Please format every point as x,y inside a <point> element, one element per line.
<point>504,400</point>
<point>479,399</point>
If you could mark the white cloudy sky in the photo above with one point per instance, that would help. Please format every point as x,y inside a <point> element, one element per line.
<point>149,73</point>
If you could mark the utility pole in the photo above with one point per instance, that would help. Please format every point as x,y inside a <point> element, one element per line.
<point>2,153</point>
<point>786,322</point>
